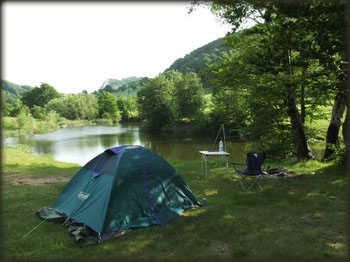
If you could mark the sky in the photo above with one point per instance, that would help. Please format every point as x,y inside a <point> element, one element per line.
<point>77,46</point>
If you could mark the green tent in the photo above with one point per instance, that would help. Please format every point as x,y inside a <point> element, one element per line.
<point>124,187</point>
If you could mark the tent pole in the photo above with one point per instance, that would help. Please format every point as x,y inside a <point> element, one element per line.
<point>217,136</point>
<point>223,130</point>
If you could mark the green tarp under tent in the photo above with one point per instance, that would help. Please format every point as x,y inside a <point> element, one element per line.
<point>124,187</point>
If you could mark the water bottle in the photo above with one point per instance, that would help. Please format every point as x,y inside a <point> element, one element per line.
<point>221,146</point>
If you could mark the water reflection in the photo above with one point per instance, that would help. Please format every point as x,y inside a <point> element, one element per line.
<point>81,144</point>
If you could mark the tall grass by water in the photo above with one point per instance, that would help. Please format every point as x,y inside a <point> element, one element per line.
<point>27,125</point>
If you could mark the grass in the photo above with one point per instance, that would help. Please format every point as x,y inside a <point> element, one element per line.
<point>300,218</point>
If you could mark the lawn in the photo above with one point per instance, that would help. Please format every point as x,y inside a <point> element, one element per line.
<point>300,218</point>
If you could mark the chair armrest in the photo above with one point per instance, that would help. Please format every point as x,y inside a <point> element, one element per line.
<point>237,164</point>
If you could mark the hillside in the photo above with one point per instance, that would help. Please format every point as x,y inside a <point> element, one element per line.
<point>115,83</point>
<point>199,59</point>
<point>12,91</point>
<point>125,87</point>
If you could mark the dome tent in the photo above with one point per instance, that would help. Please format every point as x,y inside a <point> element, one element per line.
<point>123,187</point>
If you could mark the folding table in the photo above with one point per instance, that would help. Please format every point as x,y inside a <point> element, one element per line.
<point>215,156</point>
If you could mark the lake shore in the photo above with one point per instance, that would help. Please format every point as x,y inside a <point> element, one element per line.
<point>11,127</point>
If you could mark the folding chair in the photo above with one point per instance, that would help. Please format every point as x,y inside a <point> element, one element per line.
<point>253,170</point>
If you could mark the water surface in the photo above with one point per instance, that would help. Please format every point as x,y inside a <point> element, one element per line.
<point>81,144</point>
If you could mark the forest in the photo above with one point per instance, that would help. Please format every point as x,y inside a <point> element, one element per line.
<point>272,82</point>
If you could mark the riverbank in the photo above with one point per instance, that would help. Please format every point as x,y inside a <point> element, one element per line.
<point>300,217</point>
<point>13,127</point>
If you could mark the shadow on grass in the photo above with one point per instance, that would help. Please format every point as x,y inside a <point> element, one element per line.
<point>290,218</point>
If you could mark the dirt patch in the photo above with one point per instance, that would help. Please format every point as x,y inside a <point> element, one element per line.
<point>36,181</point>
<point>219,246</point>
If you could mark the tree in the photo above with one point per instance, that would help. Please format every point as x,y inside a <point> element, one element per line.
<point>40,96</point>
<point>107,106</point>
<point>157,102</point>
<point>189,95</point>
<point>127,107</point>
<point>17,107</point>
<point>38,112</point>
<point>294,37</point>
<point>76,106</point>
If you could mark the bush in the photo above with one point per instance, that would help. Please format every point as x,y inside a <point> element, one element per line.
<point>38,112</point>
<point>104,122</point>
<point>51,119</point>
<point>277,144</point>
<point>203,124</point>
<point>25,121</point>
<point>339,153</point>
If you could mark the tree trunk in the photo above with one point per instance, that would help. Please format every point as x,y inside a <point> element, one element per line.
<point>297,125</point>
<point>298,131</point>
<point>302,104</point>
<point>332,137</point>
<point>302,98</point>
<point>346,127</point>
<point>346,130</point>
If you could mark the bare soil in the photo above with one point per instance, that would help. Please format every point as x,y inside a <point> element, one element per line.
<point>219,247</point>
<point>35,181</point>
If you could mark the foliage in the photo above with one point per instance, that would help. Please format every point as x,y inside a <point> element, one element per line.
<point>279,66</point>
<point>25,121</point>
<point>51,119</point>
<point>277,143</point>
<point>339,154</point>
<point>40,96</point>
<point>11,91</point>
<point>51,122</point>
<point>77,106</point>
<point>189,95</point>
<point>204,124</point>
<point>38,112</point>
<point>15,108</point>
<point>131,88</point>
<point>128,108</point>
<point>169,97</point>
<point>125,87</point>
<point>107,106</point>
<point>200,59</point>
<point>156,102</point>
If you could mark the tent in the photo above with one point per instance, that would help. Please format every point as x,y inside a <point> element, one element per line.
<point>123,187</point>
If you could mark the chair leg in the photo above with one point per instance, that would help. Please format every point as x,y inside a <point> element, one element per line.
<point>256,181</point>
<point>245,186</point>
<point>241,181</point>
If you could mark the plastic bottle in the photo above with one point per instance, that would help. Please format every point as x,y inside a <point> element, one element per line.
<point>221,146</point>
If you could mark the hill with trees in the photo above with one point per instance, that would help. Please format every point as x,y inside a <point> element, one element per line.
<point>13,91</point>
<point>199,60</point>
<point>124,87</point>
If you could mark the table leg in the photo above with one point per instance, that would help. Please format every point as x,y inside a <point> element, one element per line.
<point>206,169</point>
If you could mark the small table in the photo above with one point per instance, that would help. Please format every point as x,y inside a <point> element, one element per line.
<point>217,155</point>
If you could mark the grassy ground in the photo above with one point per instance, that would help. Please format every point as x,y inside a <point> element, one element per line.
<point>301,217</point>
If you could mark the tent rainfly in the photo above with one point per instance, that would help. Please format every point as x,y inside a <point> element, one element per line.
<point>122,188</point>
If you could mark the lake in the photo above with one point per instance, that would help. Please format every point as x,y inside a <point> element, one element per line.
<point>81,144</point>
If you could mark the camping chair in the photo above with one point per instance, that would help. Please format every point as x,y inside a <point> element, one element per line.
<point>253,170</point>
